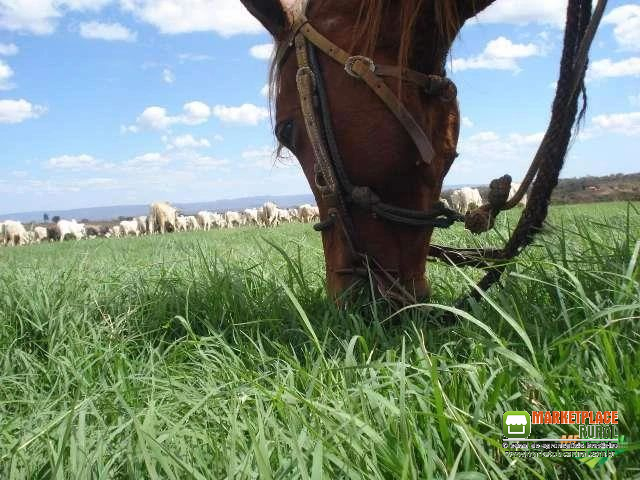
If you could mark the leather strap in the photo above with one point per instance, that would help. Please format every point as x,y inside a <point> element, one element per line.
<point>365,69</point>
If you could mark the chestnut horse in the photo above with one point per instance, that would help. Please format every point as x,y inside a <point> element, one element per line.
<point>402,161</point>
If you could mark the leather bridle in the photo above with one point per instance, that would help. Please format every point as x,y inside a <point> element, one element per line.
<point>338,192</point>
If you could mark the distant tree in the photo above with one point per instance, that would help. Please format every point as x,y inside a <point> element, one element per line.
<point>55,219</point>
<point>45,217</point>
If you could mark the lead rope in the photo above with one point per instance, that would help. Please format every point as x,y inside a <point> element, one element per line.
<point>544,171</point>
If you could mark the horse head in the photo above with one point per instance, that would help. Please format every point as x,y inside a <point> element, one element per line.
<point>411,40</point>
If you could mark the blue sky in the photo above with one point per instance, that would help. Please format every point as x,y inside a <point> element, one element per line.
<point>106,102</point>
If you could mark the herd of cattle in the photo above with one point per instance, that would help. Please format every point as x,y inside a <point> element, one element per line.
<point>164,218</point>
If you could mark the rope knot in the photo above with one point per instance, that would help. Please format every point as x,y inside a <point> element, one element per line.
<point>483,219</point>
<point>499,190</point>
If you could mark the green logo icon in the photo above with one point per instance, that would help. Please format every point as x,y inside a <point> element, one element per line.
<point>516,424</point>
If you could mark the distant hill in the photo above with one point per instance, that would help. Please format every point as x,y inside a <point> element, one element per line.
<point>570,190</point>
<point>609,188</point>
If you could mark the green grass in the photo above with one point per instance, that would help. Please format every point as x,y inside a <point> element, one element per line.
<point>213,355</point>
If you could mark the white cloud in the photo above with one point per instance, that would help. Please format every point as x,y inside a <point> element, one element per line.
<point>148,160</point>
<point>194,57</point>
<point>168,76</point>
<point>157,118</point>
<point>487,148</point>
<point>186,141</point>
<point>264,91</point>
<point>466,122</point>
<point>225,17</point>
<point>16,111</point>
<point>206,163</point>
<point>499,54</point>
<point>195,113</point>
<point>623,123</point>
<point>606,68</point>
<point>247,114</point>
<point>107,31</point>
<point>262,51</point>
<point>8,49</point>
<point>40,16</point>
<point>6,73</point>
<point>544,12</point>
<point>73,162</point>
<point>626,31</point>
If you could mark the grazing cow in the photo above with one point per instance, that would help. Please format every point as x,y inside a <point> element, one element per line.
<point>284,216</point>
<point>115,231</point>
<point>181,223</point>
<point>142,224</point>
<point>2,230</point>
<point>250,216</point>
<point>232,219</point>
<point>40,234</point>
<point>465,199</point>
<point>512,192</point>
<point>306,213</point>
<point>218,220</point>
<point>270,214</point>
<point>66,227</point>
<point>192,223</point>
<point>162,217</point>
<point>129,227</point>
<point>92,231</point>
<point>205,220</point>
<point>53,234</point>
<point>15,234</point>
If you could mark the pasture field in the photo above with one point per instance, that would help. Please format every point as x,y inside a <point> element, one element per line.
<point>218,355</point>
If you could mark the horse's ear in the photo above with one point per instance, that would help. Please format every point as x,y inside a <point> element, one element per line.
<point>269,13</point>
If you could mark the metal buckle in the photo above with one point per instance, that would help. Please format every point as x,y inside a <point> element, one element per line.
<point>348,65</point>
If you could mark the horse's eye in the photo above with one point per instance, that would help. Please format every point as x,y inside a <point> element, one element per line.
<point>285,133</point>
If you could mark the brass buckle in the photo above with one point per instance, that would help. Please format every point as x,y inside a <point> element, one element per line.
<point>351,61</point>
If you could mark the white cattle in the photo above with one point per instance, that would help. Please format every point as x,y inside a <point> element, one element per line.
<point>40,234</point>
<point>270,214</point>
<point>218,220</point>
<point>250,216</point>
<point>14,233</point>
<point>306,213</point>
<point>66,227</point>
<point>161,216</point>
<point>284,215</point>
<point>514,189</point>
<point>129,227</point>
<point>2,230</point>
<point>465,199</point>
<point>181,223</point>
<point>445,202</point>
<point>115,231</point>
<point>142,224</point>
<point>192,223</point>
<point>294,214</point>
<point>205,220</point>
<point>232,219</point>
